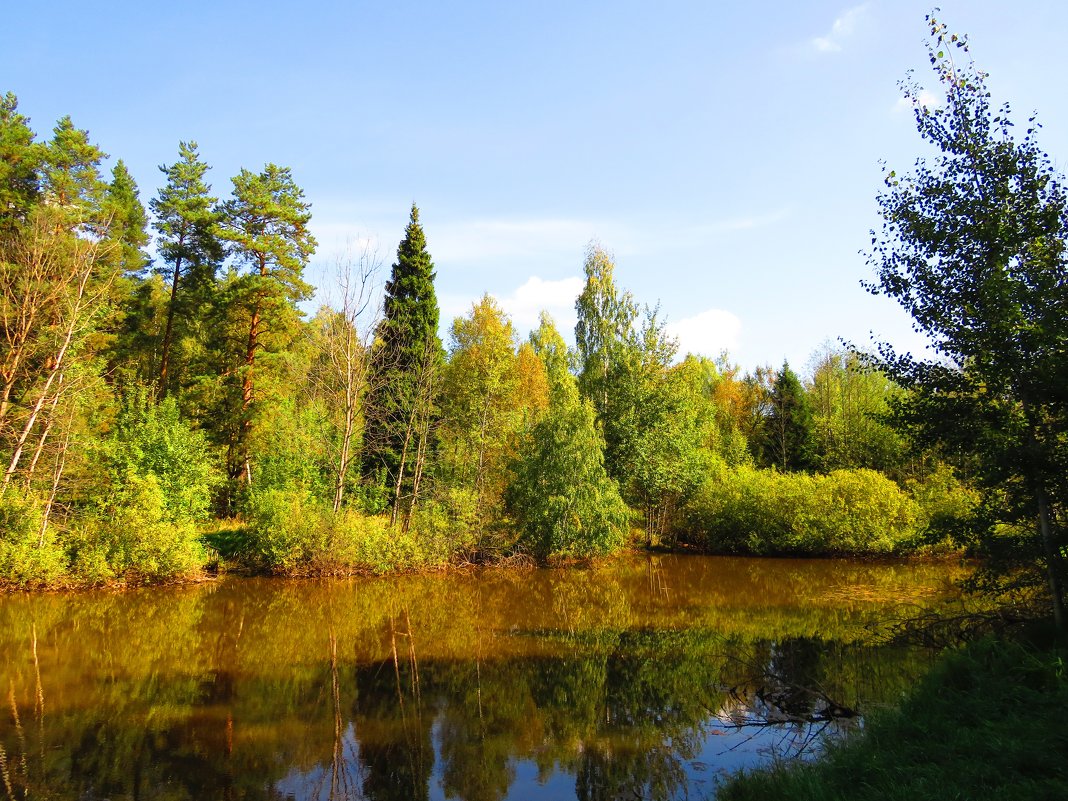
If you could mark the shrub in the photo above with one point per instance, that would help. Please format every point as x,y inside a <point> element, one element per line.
<point>26,557</point>
<point>136,536</point>
<point>287,529</point>
<point>290,532</point>
<point>946,506</point>
<point>746,510</point>
<point>152,439</point>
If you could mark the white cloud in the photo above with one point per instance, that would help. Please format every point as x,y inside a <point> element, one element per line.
<point>926,99</point>
<point>841,29</point>
<point>527,302</point>
<point>708,333</point>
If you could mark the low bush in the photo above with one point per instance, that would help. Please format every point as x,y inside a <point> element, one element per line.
<point>846,512</point>
<point>946,507</point>
<point>27,557</point>
<point>292,533</point>
<point>135,537</point>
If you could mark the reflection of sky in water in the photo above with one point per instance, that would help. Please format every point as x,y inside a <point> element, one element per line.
<point>725,748</point>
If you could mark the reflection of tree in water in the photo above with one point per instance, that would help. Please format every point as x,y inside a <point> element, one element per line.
<point>605,775</point>
<point>396,750</point>
<point>229,700</point>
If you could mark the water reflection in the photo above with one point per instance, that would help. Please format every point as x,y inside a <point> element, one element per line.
<point>643,679</point>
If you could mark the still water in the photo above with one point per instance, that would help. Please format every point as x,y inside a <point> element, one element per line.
<point>642,679</point>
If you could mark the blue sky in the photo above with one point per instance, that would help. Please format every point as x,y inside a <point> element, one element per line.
<point>727,153</point>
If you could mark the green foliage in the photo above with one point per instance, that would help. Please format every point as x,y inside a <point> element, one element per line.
<point>608,355</point>
<point>151,440</point>
<point>486,402</point>
<point>973,247</point>
<point>849,403</point>
<point>126,220</point>
<point>846,512</point>
<point>289,449</point>
<point>20,160</point>
<point>787,440</point>
<point>70,177</point>
<point>407,353</point>
<point>563,500</point>
<point>286,528</point>
<point>187,222</point>
<point>948,508</point>
<point>28,556</point>
<point>290,532</point>
<point>266,226</point>
<point>136,536</point>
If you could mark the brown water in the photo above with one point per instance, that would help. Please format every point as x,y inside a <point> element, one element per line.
<point>646,678</point>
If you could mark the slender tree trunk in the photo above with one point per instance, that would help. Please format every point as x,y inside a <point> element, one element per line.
<point>420,461</point>
<point>480,474</point>
<point>49,419</point>
<point>351,395</point>
<point>343,460</point>
<point>1052,559</point>
<point>56,371</point>
<point>247,394</point>
<point>400,469</point>
<point>168,334</point>
<point>57,476</point>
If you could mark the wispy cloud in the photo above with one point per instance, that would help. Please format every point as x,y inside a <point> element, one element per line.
<point>708,333</point>
<point>841,30</point>
<point>745,222</point>
<point>499,239</point>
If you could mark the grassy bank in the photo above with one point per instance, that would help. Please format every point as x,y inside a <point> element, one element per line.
<point>988,723</point>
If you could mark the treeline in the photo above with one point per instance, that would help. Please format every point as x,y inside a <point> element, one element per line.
<point>158,414</point>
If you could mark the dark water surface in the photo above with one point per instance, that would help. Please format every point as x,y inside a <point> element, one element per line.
<point>646,678</point>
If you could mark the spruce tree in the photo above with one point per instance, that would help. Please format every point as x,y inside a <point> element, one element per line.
<point>788,433</point>
<point>126,221</point>
<point>407,353</point>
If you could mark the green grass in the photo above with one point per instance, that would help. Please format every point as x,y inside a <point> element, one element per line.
<point>988,723</point>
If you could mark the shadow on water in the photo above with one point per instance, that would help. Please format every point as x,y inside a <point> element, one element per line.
<point>642,679</point>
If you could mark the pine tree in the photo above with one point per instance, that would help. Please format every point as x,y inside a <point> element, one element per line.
<point>20,159</point>
<point>70,178</point>
<point>407,354</point>
<point>266,224</point>
<point>187,222</point>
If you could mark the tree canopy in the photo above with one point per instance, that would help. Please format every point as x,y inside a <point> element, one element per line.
<point>973,247</point>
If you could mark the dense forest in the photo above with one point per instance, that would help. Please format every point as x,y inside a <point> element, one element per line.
<point>161,414</point>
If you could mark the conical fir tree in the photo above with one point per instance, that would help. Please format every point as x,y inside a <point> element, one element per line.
<point>407,353</point>
<point>789,439</point>
<point>127,221</point>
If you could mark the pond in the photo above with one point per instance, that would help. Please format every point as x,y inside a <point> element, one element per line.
<point>645,678</point>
